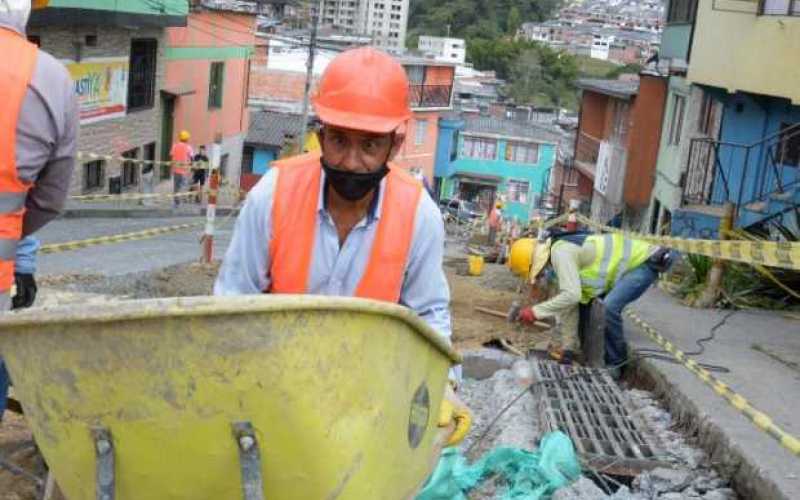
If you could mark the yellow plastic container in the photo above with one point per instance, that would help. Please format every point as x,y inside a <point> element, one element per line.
<point>343,394</point>
<point>475,265</point>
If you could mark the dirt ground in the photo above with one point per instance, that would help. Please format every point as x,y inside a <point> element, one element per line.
<point>495,289</point>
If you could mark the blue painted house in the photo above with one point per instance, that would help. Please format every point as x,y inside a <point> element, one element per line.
<point>742,132</point>
<point>269,131</point>
<point>483,159</point>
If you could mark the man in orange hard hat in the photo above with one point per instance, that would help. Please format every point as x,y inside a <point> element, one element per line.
<point>345,221</point>
<point>38,134</point>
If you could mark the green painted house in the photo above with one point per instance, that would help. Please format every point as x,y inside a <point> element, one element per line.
<point>484,159</point>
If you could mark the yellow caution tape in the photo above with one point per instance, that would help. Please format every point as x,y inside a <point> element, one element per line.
<point>780,254</point>
<point>118,238</point>
<point>760,419</point>
<point>92,198</point>
<point>82,155</point>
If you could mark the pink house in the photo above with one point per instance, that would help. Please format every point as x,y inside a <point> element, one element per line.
<point>206,83</point>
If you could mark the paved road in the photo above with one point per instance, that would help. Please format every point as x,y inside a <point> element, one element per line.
<point>127,257</point>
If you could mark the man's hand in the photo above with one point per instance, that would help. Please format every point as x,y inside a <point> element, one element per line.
<point>26,291</point>
<point>455,416</point>
<point>527,316</point>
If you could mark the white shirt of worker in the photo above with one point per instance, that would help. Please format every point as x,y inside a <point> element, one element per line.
<point>335,269</point>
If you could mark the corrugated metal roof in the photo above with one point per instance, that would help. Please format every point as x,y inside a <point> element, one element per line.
<point>622,89</point>
<point>268,128</point>
<point>508,128</point>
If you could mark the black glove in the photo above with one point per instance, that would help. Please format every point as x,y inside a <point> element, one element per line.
<point>26,291</point>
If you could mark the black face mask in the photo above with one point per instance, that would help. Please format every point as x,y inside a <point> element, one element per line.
<point>353,186</point>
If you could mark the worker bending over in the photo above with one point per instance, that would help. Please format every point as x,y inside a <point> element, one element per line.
<point>345,221</point>
<point>610,267</point>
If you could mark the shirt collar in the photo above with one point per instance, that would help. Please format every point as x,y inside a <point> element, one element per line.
<point>375,207</point>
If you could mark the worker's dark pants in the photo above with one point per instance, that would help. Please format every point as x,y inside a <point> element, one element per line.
<point>626,290</point>
<point>4,383</point>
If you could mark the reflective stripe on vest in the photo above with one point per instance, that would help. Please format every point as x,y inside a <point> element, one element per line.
<point>294,229</point>
<point>16,69</point>
<point>615,256</point>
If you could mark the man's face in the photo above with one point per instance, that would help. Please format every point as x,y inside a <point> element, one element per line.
<point>356,151</point>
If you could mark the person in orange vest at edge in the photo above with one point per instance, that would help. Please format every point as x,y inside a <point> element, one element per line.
<point>181,155</point>
<point>344,220</point>
<point>495,221</point>
<point>38,140</point>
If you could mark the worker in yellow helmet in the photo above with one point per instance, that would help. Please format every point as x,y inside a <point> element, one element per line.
<point>587,266</point>
<point>181,155</point>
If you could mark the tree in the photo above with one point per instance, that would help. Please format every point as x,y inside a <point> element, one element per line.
<point>514,21</point>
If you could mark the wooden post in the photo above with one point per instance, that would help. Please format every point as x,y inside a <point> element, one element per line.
<point>714,282</point>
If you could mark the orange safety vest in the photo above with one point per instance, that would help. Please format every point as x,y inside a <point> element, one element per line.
<point>16,69</point>
<point>294,227</point>
<point>181,154</point>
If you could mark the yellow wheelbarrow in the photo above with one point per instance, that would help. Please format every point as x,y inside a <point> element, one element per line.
<point>277,397</point>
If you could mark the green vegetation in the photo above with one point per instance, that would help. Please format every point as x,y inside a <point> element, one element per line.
<point>535,73</point>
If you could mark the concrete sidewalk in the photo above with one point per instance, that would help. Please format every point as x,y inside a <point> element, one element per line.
<point>760,349</point>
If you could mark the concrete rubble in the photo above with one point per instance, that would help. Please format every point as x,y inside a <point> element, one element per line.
<point>691,475</point>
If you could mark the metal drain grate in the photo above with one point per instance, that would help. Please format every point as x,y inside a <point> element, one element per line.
<point>596,415</point>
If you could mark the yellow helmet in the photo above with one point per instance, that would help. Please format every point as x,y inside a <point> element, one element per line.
<point>528,257</point>
<point>499,204</point>
<point>184,136</point>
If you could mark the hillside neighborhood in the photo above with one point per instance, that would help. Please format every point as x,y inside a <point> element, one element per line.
<point>429,249</point>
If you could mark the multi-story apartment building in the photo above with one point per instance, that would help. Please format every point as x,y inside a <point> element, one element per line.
<point>385,21</point>
<point>444,49</point>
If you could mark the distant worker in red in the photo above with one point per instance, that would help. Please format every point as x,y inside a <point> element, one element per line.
<point>344,220</point>
<point>38,134</point>
<point>181,155</point>
<point>495,221</point>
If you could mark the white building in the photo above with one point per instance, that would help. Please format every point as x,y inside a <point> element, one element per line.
<point>601,46</point>
<point>452,50</point>
<point>384,21</point>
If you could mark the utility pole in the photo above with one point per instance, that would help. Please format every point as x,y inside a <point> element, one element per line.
<point>312,46</point>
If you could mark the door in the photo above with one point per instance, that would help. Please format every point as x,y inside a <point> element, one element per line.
<point>167,129</point>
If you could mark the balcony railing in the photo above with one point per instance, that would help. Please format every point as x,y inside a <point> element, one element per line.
<point>718,172</point>
<point>430,96</point>
<point>758,7</point>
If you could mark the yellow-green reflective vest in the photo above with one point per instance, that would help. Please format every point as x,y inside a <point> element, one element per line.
<point>615,255</point>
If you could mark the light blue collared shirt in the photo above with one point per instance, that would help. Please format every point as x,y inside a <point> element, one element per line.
<point>337,270</point>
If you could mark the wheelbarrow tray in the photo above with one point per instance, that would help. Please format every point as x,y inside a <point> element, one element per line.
<point>342,395</point>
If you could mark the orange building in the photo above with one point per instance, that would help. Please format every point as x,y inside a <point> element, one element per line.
<point>206,83</point>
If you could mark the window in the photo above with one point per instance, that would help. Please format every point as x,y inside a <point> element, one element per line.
<point>223,165</point>
<point>416,74</point>
<point>518,191</point>
<point>215,84</point>
<point>93,175</point>
<point>130,174</point>
<point>421,131</point>
<point>681,11</point>
<point>247,159</point>
<point>142,74</point>
<point>706,119</point>
<point>522,153</point>
<point>780,7</point>
<point>479,148</point>
<point>676,124</point>
<point>790,144</point>
<point>149,157</point>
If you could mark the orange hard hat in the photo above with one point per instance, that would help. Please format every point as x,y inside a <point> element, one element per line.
<point>363,89</point>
